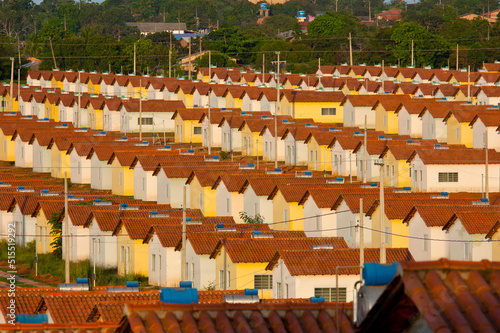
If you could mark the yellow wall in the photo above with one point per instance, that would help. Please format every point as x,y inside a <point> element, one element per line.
<point>391,126</point>
<point>396,228</point>
<point>127,185</point>
<point>295,212</point>
<point>209,207</point>
<point>7,148</point>
<point>320,152</point>
<point>60,163</point>
<point>252,138</point>
<point>312,110</point>
<point>495,246</point>
<point>465,136</point>
<point>139,258</point>
<point>43,243</point>
<point>54,112</point>
<point>242,274</point>
<point>401,171</point>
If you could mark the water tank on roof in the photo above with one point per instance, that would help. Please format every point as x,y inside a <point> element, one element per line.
<point>302,13</point>
<point>375,274</point>
<point>263,5</point>
<point>366,298</point>
<point>179,295</point>
<point>241,299</point>
<point>32,319</point>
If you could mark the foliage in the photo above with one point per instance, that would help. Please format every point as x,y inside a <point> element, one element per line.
<point>218,60</point>
<point>224,155</point>
<point>56,232</point>
<point>332,24</point>
<point>251,220</point>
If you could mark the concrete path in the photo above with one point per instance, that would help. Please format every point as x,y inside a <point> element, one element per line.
<point>24,280</point>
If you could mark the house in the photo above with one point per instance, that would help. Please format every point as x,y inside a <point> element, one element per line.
<point>488,95</point>
<point>409,120</point>
<point>486,124</point>
<point>343,147</point>
<point>242,262</point>
<point>296,150</point>
<point>320,156</point>
<point>432,117</point>
<point>321,106</point>
<point>312,272</point>
<point>154,115</point>
<point>457,124</point>
<point>386,119</point>
<point>187,125</point>
<point>393,14</point>
<point>455,169</point>
<point>44,212</point>
<point>250,133</point>
<point>100,170</point>
<point>111,114</point>
<point>122,180</point>
<point>357,108</point>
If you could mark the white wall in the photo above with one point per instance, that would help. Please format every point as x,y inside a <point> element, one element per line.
<point>80,168</point>
<point>434,250</point>
<point>24,154</point>
<point>101,174</point>
<point>41,158</point>
<point>145,184</point>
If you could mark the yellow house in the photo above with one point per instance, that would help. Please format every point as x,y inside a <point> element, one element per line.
<point>96,110</point>
<point>187,125</point>
<point>58,79</point>
<point>459,131</point>
<point>122,182</point>
<point>241,263</point>
<point>130,234</point>
<point>185,93</point>
<point>322,106</point>
<point>8,147</point>
<point>386,119</point>
<point>53,100</point>
<point>251,142</point>
<point>202,74</point>
<point>234,97</point>
<point>43,213</point>
<point>397,170</point>
<point>94,83</point>
<point>319,156</point>
<point>286,206</point>
<point>60,162</point>
<point>202,194</point>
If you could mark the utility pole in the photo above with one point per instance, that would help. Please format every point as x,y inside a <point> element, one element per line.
<point>486,181</point>
<point>365,151</point>
<point>170,57</point>
<point>412,59</point>
<point>320,72</point>
<point>93,250</point>
<point>19,70</point>
<point>468,83</point>
<point>457,58</point>
<point>350,49</point>
<point>36,249</point>
<point>140,110</point>
<point>79,99</point>
<point>189,66</point>
<point>369,14</point>
<point>225,263</point>
<point>361,236</point>
<point>66,229</point>
<point>135,58</point>
<point>382,211</point>
<point>183,239</point>
<point>278,64</point>
<point>209,123</point>
<point>12,85</point>
<point>53,55</point>
<point>336,5</point>
<point>64,22</point>
<point>263,68</point>
<point>383,80</point>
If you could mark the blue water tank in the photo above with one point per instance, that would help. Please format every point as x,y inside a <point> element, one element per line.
<point>132,284</point>
<point>191,151</point>
<point>302,13</point>
<point>407,188</point>
<point>308,173</point>
<point>32,319</point>
<point>251,292</point>
<point>219,226</point>
<point>251,165</point>
<point>444,194</point>
<point>376,274</point>
<point>82,280</point>
<point>263,5</point>
<point>277,169</point>
<point>484,200</point>
<point>154,212</point>
<point>317,299</point>
<point>97,200</point>
<point>257,232</point>
<point>186,284</point>
<point>179,295</point>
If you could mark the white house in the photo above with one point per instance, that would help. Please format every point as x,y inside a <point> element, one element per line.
<point>439,168</point>
<point>315,275</point>
<point>486,124</point>
<point>156,115</point>
<point>356,107</point>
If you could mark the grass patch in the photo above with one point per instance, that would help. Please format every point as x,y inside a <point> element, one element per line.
<point>51,268</point>
<point>18,283</point>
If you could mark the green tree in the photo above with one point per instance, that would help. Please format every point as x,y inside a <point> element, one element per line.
<point>56,232</point>
<point>333,24</point>
<point>251,220</point>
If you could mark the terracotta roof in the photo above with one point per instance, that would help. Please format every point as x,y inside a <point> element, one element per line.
<point>361,100</point>
<point>278,317</point>
<point>324,261</point>
<point>108,220</point>
<point>263,250</point>
<point>188,114</point>
<point>476,222</point>
<point>447,296</point>
<point>152,105</point>
<point>311,96</point>
<point>464,156</point>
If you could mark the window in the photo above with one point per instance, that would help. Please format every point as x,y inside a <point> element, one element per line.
<point>458,133</point>
<point>311,158</point>
<point>22,154</point>
<point>426,242</point>
<point>143,184</point>
<point>278,290</point>
<point>408,124</point>
<point>192,272</point>
<point>79,168</point>
<point>330,294</point>
<point>228,280</point>
<point>265,147</point>
<point>145,121</point>
<point>122,253</point>
<point>286,290</point>
<point>166,190</point>
<point>228,205</point>
<point>466,251</point>
<point>385,120</point>
<point>318,224</point>
<point>387,171</point>
<point>39,234</point>
<point>121,179</point>
<point>201,200</point>
<point>328,111</point>
<point>5,146</point>
<point>263,281</point>
<point>448,177</point>
<point>153,262</point>
<point>387,231</point>
<point>187,271</point>
<point>196,130</point>
<point>285,217</point>
<point>58,160</point>
<point>221,279</point>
